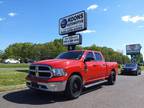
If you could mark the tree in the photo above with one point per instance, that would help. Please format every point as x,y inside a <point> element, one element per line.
<point>29,51</point>
<point>110,54</point>
<point>20,51</point>
<point>139,58</point>
<point>1,55</point>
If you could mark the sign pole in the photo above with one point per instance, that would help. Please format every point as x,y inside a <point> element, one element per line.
<point>133,50</point>
<point>71,47</point>
<point>133,58</point>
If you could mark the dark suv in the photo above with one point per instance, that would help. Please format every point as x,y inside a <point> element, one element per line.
<point>131,69</point>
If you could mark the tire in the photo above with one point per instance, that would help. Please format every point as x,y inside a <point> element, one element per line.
<point>136,73</point>
<point>74,87</point>
<point>112,78</point>
<point>122,73</point>
<point>139,72</point>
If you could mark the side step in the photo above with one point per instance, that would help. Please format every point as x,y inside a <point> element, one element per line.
<point>96,83</point>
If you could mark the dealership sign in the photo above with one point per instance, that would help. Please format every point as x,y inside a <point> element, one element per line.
<point>73,23</point>
<point>133,49</point>
<point>72,40</point>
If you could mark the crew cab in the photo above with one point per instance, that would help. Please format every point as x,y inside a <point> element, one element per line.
<point>70,72</point>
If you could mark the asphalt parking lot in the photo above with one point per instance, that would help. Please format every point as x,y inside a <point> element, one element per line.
<point>128,92</point>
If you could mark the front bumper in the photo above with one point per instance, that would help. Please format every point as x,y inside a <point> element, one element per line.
<point>129,71</point>
<point>50,86</point>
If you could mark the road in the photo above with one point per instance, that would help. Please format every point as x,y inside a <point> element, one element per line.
<point>128,92</point>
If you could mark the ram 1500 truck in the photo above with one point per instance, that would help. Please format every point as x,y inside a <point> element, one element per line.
<point>70,72</point>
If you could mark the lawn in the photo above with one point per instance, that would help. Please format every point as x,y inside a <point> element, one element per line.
<point>142,68</point>
<point>22,65</point>
<point>12,79</point>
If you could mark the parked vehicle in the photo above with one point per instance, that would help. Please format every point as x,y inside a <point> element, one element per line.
<point>131,69</point>
<point>11,61</point>
<point>70,72</point>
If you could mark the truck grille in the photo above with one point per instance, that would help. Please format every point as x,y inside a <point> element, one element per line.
<point>40,71</point>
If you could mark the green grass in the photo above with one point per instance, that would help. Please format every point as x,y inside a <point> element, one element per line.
<point>14,65</point>
<point>12,79</point>
<point>142,68</point>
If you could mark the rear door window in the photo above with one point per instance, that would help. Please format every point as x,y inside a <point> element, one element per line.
<point>89,55</point>
<point>98,56</point>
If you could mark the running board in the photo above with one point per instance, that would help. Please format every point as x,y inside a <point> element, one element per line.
<point>96,83</point>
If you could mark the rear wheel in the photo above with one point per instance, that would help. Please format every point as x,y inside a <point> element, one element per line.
<point>74,87</point>
<point>112,78</point>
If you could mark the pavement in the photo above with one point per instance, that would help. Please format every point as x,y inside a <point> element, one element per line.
<point>128,92</point>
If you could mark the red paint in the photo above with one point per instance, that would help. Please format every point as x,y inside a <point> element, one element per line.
<point>89,71</point>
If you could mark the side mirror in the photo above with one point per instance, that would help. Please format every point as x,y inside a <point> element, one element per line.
<point>88,59</point>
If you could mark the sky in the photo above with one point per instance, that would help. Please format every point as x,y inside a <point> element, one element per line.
<point>111,23</point>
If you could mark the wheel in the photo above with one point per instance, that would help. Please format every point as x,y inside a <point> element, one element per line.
<point>139,72</point>
<point>74,87</point>
<point>122,73</point>
<point>136,73</point>
<point>112,78</point>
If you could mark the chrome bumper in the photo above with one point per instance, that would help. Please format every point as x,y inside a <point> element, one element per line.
<point>51,86</point>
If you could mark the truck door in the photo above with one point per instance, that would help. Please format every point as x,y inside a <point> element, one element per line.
<point>101,68</point>
<point>90,72</point>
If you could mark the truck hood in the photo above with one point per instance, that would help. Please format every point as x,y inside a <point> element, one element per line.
<point>58,63</point>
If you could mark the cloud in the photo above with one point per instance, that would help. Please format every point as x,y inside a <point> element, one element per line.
<point>125,18</point>
<point>1,19</point>
<point>105,9</point>
<point>92,7</point>
<point>88,31</point>
<point>141,26</point>
<point>12,14</point>
<point>133,19</point>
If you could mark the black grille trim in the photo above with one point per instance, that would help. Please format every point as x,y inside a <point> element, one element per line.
<point>40,71</point>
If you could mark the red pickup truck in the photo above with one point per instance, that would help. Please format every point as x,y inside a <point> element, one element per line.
<point>70,72</point>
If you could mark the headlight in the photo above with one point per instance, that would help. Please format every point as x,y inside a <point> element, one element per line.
<point>134,69</point>
<point>58,72</point>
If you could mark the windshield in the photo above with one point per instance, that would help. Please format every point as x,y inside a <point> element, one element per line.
<point>130,65</point>
<point>70,55</point>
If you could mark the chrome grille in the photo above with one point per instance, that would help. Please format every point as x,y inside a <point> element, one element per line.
<point>40,71</point>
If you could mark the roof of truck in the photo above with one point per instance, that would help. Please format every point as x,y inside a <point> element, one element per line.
<point>84,50</point>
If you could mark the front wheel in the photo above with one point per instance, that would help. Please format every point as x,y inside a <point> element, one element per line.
<point>136,73</point>
<point>140,73</point>
<point>74,87</point>
<point>112,78</point>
